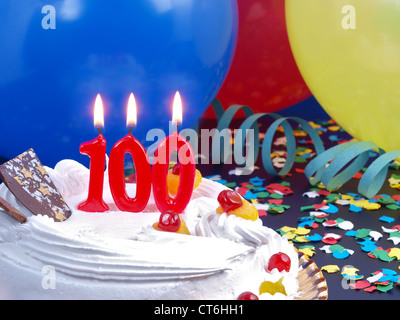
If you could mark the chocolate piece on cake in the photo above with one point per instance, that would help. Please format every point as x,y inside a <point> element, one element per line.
<point>28,180</point>
<point>12,211</point>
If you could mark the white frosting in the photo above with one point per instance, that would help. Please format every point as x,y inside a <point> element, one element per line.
<point>118,255</point>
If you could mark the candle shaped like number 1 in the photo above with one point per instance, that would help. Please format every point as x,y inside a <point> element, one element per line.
<point>96,150</point>
<point>161,164</point>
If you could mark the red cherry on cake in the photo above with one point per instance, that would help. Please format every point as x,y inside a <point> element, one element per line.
<point>229,200</point>
<point>279,260</point>
<point>169,221</point>
<point>247,295</point>
<point>176,169</point>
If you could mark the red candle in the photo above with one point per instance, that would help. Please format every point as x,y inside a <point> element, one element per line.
<point>96,150</point>
<point>161,165</point>
<point>129,144</point>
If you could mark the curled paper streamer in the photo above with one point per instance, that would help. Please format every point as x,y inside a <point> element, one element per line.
<point>344,160</point>
<point>350,158</point>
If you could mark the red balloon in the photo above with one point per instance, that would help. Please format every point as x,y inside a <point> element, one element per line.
<point>263,74</point>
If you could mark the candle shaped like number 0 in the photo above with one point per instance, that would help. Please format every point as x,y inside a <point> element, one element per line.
<point>129,144</point>
<point>161,164</point>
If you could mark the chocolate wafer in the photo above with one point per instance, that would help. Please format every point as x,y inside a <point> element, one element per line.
<point>12,211</point>
<point>30,183</point>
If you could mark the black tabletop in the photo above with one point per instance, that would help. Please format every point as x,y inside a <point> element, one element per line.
<point>366,241</point>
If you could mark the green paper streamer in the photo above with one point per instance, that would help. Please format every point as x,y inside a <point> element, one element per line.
<point>345,160</point>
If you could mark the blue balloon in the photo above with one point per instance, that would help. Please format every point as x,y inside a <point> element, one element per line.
<point>56,56</point>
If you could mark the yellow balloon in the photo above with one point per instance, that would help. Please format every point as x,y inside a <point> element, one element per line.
<point>348,52</point>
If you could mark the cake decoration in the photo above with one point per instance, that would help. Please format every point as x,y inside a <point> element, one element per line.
<point>171,222</point>
<point>96,150</point>
<point>280,261</point>
<point>130,145</point>
<point>247,295</point>
<point>174,143</point>
<point>174,176</point>
<point>12,211</point>
<point>28,180</point>
<point>232,203</point>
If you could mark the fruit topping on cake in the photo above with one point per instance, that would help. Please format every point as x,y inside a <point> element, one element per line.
<point>247,295</point>
<point>232,203</point>
<point>171,222</point>
<point>174,176</point>
<point>280,261</point>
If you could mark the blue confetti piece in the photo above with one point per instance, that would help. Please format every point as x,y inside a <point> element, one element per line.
<point>388,272</point>
<point>341,255</point>
<point>250,195</point>
<point>351,233</point>
<point>314,237</point>
<point>256,181</point>
<point>372,154</point>
<point>354,195</point>
<point>334,138</point>
<point>353,276</point>
<point>331,209</point>
<point>369,248</point>
<point>354,208</point>
<point>386,219</point>
<point>368,245</point>
<point>306,155</point>
<point>306,223</point>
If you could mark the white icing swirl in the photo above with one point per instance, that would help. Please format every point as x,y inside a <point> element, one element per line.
<point>70,177</point>
<point>233,228</point>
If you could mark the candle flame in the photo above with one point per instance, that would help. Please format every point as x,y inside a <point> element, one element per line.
<point>177,108</point>
<point>131,118</point>
<point>98,112</point>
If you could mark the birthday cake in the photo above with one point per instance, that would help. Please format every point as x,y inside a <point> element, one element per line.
<point>224,252</point>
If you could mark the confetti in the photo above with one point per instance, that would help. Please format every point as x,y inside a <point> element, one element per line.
<point>341,254</point>
<point>361,284</point>
<point>386,219</point>
<point>394,253</point>
<point>331,268</point>
<point>350,271</point>
<point>309,251</point>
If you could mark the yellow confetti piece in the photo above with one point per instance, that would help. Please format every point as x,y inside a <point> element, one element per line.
<point>394,253</point>
<point>313,124</point>
<point>359,203</point>
<point>301,239</point>
<point>330,268</point>
<point>289,235</point>
<point>372,206</point>
<point>346,197</point>
<point>350,271</point>
<point>302,231</point>
<point>333,128</point>
<point>307,251</point>
<point>287,229</point>
<point>273,287</point>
